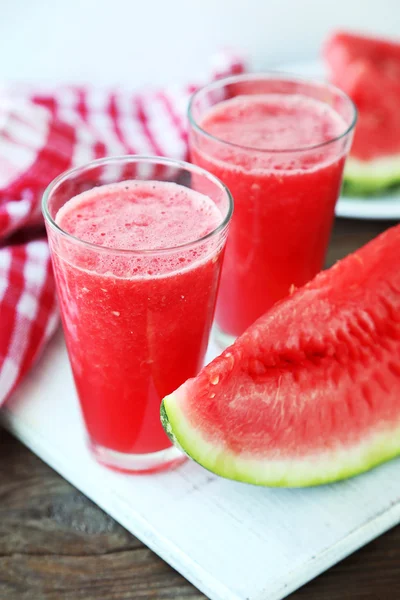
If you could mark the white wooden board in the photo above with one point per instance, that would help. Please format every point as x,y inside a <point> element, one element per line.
<point>232,541</point>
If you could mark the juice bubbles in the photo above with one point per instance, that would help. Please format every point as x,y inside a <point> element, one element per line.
<point>137,302</point>
<point>281,151</point>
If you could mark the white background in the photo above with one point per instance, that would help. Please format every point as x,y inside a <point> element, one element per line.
<point>133,42</point>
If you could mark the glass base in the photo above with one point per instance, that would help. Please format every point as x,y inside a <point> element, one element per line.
<point>223,340</point>
<point>138,463</point>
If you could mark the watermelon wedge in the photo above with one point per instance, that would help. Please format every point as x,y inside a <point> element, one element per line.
<point>368,70</point>
<point>310,394</point>
<point>343,48</point>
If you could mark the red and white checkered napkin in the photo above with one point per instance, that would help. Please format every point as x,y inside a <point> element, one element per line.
<point>44,131</point>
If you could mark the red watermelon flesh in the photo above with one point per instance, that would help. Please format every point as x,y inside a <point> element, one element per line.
<point>368,69</point>
<point>343,48</point>
<point>311,392</point>
<point>377,98</point>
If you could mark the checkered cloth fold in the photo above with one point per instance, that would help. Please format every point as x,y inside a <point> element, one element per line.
<point>44,131</point>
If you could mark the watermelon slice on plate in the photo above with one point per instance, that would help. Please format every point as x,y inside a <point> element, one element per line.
<point>310,394</point>
<point>368,70</point>
<point>374,162</point>
<point>343,48</point>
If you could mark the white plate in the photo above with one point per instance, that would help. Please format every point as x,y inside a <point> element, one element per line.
<point>382,207</point>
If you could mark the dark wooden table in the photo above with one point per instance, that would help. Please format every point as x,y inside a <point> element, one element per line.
<point>57,545</point>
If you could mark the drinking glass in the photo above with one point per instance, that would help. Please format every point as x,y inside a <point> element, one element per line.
<point>284,196</point>
<point>136,322</point>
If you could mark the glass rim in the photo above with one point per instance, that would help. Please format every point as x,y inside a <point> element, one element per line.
<point>278,76</point>
<point>135,158</point>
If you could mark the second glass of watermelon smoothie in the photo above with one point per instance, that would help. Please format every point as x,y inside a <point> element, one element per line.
<point>279,143</point>
<point>136,246</point>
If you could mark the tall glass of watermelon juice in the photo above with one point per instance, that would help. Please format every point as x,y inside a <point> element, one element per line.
<point>137,246</point>
<point>279,144</point>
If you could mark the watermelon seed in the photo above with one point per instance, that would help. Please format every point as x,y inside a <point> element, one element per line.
<point>394,368</point>
<point>214,380</point>
<point>392,286</point>
<point>381,381</point>
<point>279,389</point>
<point>212,395</point>
<point>366,392</point>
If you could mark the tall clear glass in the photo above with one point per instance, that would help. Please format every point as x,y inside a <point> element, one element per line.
<point>243,129</point>
<point>136,322</point>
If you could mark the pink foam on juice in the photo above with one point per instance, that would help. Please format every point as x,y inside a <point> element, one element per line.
<point>273,122</point>
<point>285,180</point>
<point>136,324</point>
<point>139,215</point>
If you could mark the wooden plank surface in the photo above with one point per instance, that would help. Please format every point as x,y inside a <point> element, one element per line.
<point>56,544</point>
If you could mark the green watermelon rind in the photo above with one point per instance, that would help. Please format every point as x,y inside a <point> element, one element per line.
<point>322,468</point>
<point>363,178</point>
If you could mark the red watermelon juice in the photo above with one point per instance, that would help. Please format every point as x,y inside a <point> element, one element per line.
<point>136,315</point>
<point>281,151</point>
